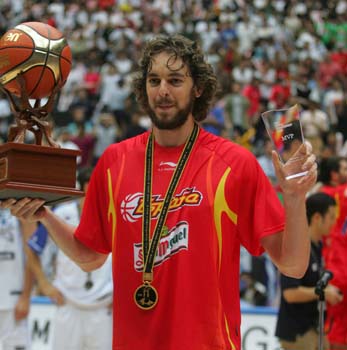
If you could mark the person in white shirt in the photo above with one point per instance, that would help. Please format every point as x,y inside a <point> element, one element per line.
<point>83,320</point>
<point>16,283</point>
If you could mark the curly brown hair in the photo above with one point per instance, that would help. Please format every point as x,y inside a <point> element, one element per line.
<point>201,72</point>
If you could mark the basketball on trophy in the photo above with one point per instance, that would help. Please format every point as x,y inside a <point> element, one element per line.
<point>40,53</point>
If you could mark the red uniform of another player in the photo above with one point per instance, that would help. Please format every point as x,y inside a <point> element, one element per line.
<point>196,269</point>
<point>335,254</point>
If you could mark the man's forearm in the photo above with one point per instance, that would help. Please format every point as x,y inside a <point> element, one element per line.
<point>290,249</point>
<point>296,240</point>
<point>63,235</point>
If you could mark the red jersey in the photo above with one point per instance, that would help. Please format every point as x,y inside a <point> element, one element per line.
<point>223,199</point>
<point>336,261</point>
<point>339,193</point>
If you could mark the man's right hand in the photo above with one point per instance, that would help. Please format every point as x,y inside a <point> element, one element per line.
<point>25,209</point>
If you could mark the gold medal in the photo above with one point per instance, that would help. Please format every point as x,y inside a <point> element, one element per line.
<point>146,296</point>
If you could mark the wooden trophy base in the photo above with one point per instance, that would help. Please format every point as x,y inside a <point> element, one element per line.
<point>36,171</point>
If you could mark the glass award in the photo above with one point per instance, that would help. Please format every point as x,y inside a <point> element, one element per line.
<point>284,129</point>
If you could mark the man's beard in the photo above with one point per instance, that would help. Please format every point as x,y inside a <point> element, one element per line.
<point>175,121</point>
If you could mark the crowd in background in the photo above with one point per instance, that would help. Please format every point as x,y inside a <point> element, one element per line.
<point>267,54</point>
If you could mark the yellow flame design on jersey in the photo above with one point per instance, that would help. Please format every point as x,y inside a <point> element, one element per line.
<point>113,194</point>
<point>228,332</point>
<point>221,206</point>
<point>111,207</point>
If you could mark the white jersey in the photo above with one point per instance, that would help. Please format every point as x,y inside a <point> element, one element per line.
<point>11,260</point>
<point>86,290</point>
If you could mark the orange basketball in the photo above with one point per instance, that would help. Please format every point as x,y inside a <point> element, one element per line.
<point>40,52</point>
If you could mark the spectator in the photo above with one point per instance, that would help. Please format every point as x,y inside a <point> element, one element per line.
<point>137,125</point>
<point>106,132</point>
<point>91,81</point>
<point>123,63</point>
<point>64,140</point>
<point>215,120</point>
<point>235,109</point>
<point>333,99</point>
<point>79,118</point>
<point>16,282</point>
<point>252,92</point>
<point>245,33</point>
<point>279,94</point>
<point>327,71</point>
<point>85,142</point>
<point>114,99</point>
<point>265,161</point>
<point>315,124</point>
<point>267,77</point>
<point>243,73</point>
<point>82,99</point>
<point>300,86</point>
<point>109,79</point>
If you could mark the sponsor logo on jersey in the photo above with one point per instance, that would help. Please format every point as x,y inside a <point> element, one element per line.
<point>167,166</point>
<point>175,240</point>
<point>132,206</point>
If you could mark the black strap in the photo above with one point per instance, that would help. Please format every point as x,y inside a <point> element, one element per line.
<point>150,247</point>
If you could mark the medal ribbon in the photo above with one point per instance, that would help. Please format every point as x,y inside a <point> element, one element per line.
<point>150,247</point>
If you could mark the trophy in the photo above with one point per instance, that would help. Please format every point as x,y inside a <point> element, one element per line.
<point>35,61</point>
<point>284,129</point>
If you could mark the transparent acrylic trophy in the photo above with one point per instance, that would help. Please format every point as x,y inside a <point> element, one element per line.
<point>284,129</point>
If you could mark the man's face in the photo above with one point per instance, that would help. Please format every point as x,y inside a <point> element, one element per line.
<point>343,172</point>
<point>170,91</point>
<point>328,220</point>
